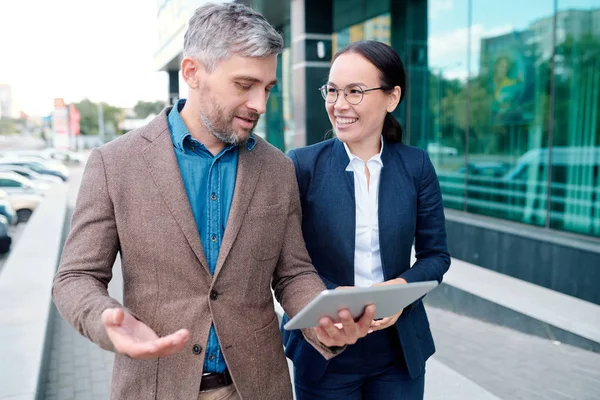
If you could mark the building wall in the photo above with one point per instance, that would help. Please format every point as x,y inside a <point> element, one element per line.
<point>6,106</point>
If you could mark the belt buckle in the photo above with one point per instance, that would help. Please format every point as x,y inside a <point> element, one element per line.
<point>215,380</point>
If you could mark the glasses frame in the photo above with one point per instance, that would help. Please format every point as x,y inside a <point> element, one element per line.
<point>324,93</point>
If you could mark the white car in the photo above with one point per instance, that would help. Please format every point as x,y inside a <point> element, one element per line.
<point>30,174</point>
<point>23,204</point>
<point>65,156</point>
<point>438,148</point>
<point>12,182</point>
<point>36,164</point>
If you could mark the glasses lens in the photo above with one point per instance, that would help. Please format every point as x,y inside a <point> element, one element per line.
<point>329,93</point>
<point>354,94</point>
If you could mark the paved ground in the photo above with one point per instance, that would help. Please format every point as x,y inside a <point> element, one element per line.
<point>506,363</point>
<point>78,369</point>
<point>511,364</point>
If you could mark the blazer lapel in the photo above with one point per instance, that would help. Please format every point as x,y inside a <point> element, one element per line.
<point>162,162</point>
<point>248,171</point>
<point>389,207</point>
<point>342,184</point>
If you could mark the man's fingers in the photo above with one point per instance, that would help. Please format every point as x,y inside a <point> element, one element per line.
<point>330,328</point>
<point>364,323</point>
<point>347,331</point>
<point>382,321</point>
<point>322,336</point>
<point>327,332</point>
<point>349,326</point>
<point>113,317</point>
<point>167,345</point>
<point>161,347</point>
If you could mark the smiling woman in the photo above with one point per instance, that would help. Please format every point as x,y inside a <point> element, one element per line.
<point>382,196</point>
<point>373,80</point>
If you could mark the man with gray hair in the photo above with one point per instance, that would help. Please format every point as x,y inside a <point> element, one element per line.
<point>206,219</point>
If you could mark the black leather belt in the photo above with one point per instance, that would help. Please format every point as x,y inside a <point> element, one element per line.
<point>215,381</point>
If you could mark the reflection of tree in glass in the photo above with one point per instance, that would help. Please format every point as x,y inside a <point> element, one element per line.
<point>577,97</point>
<point>508,85</point>
<point>577,100</point>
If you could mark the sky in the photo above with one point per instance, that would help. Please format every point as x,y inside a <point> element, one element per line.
<point>448,27</point>
<point>102,50</point>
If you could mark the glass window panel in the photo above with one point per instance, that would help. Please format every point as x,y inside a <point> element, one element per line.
<point>509,92</point>
<point>376,28</point>
<point>439,85</point>
<point>575,198</point>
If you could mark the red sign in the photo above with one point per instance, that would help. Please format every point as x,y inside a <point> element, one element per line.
<point>74,118</point>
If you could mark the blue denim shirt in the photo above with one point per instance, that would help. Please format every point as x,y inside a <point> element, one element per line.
<point>209,182</point>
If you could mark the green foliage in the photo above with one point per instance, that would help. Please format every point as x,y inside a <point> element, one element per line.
<point>8,126</point>
<point>89,117</point>
<point>144,108</point>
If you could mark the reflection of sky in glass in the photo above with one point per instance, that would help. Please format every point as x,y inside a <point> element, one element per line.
<point>448,27</point>
<point>376,28</point>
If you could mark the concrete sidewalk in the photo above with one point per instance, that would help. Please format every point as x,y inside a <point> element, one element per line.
<point>474,360</point>
<point>511,364</point>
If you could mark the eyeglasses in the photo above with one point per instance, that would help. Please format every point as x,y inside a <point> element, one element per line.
<point>353,93</point>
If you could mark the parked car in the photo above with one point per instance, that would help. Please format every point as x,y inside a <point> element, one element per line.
<point>23,204</point>
<point>30,174</point>
<point>8,212</point>
<point>486,168</point>
<point>12,182</point>
<point>38,166</point>
<point>5,238</point>
<point>66,156</point>
<point>438,148</point>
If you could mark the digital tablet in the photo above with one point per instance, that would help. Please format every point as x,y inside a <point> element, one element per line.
<point>388,299</point>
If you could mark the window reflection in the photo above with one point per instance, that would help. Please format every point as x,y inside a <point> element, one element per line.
<point>377,28</point>
<point>492,128</point>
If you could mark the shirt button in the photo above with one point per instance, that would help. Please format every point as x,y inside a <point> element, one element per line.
<point>196,349</point>
<point>211,357</point>
<point>213,238</point>
<point>213,295</point>
<point>213,196</point>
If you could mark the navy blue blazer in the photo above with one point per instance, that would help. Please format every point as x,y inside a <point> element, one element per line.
<point>410,209</point>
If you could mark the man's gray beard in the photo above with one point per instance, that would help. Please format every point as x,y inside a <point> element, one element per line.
<point>226,137</point>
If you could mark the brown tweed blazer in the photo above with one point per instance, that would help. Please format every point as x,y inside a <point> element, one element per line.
<point>132,201</point>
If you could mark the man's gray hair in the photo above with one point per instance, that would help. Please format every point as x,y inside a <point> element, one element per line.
<point>218,31</point>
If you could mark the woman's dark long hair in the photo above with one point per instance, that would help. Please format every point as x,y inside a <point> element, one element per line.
<point>391,74</point>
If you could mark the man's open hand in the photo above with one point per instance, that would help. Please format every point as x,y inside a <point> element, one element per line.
<point>136,339</point>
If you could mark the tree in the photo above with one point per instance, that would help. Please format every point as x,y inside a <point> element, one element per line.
<point>144,108</point>
<point>88,111</point>
<point>88,124</point>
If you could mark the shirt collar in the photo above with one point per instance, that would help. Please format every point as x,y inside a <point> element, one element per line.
<point>376,158</point>
<point>180,133</point>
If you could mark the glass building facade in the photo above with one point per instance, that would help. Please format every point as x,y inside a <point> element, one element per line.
<point>505,96</point>
<point>513,103</point>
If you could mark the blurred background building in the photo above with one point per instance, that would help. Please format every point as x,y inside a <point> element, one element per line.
<point>505,97</point>
<point>6,106</point>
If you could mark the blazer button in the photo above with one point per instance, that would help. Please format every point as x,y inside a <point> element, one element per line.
<point>197,349</point>
<point>213,295</point>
